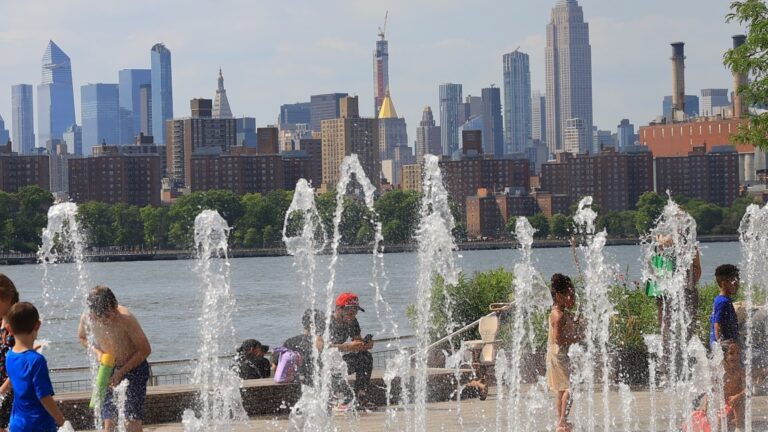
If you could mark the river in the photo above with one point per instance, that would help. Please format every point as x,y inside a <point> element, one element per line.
<point>164,295</point>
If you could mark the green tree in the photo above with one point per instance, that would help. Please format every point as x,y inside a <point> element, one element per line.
<point>31,217</point>
<point>560,226</point>
<point>252,238</point>
<point>268,236</point>
<point>619,224</point>
<point>750,59</point>
<point>399,214</point>
<point>187,207</point>
<point>156,223</point>
<point>649,208</point>
<point>509,228</point>
<point>540,223</point>
<point>8,208</point>
<point>707,215</point>
<point>97,219</point>
<point>127,225</point>
<point>732,216</point>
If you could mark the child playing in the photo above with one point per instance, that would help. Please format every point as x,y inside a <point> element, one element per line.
<point>9,296</point>
<point>34,408</point>
<point>724,324</point>
<point>734,385</point>
<point>116,331</point>
<point>564,330</point>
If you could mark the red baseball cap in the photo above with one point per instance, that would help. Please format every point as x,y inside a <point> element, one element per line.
<point>348,300</point>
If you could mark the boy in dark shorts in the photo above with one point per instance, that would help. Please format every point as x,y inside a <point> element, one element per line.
<point>117,332</point>
<point>724,325</point>
<point>34,408</point>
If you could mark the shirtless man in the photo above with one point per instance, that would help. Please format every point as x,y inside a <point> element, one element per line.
<point>114,330</point>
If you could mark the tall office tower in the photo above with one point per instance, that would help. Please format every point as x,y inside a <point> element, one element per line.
<point>380,71</point>
<point>55,98</point>
<point>145,109</point>
<point>625,134</point>
<point>5,136</point>
<point>714,101</point>
<point>324,107</point>
<point>393,131</point>
<point>162,91</point>
<point>493,128</point>
<point>220,102</point>
<point>472,107</point>
<point>130,82</point>
<point>691,106</point>
<point>22,119</point>
<point>293,114</point>
<point>451,117</point>
<point>347,135</point>
<point>517,101</point>
<point>578,138</point>
<point>538,117</point>
<point>73,138</point>
<point>427,136</point>
<point>246,131</point>
<point>568,59</point>
<point>100,113</point>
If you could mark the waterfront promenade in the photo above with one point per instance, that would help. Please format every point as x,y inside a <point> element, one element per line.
<point>479,416</point>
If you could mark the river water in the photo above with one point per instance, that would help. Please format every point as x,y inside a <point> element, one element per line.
<point>164,295</point>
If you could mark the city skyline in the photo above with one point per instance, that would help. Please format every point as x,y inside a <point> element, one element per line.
<point>629,44</point>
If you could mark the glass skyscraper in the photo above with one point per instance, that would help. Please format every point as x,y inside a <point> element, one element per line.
<point>451,117</point>
<point>23,128</point>
<point>55,97</point>
<point>493,129</point>
<point>100,112</point>
<point>4,135</point>
<point>130,82</point>
<point>162,91</point>
<point>517,101</point>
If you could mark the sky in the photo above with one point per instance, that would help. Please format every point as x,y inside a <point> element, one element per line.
<point>277,52</point>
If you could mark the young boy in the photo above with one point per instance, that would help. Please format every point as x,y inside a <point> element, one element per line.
<point>34,408</point>
<point>251,360</point>
<point>116,331</point>
<point>724,324</point>
<point>564,330</point>
<point>734,385</point>
<point>9,296</point>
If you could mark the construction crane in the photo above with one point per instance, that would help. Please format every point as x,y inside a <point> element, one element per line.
<point>383,29</point>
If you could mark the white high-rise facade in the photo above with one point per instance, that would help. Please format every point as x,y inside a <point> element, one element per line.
<point>538,117</point>
<point>451,117</point>
<point>517,101</point>
<point>220,102</point>
<point>568,58</point>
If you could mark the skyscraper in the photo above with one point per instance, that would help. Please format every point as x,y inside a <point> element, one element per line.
<point>493,129</point>
<point>145,109</point>
<point>451,117</point>
<point>714,101</point>
<point>568,59</point>
<point>427,136</point>
<point>55,98</point>
<point>220,102</point>
<point>73,138</point>
<point>380,71</point>
<point>22,119</point>
<point>162,91</point>
<point>538,117</point>
<point>517,101</point>
<point>392,129</point>
<point>296,113</point>
<point>691,106</point>
<point>99,110</point>
<point>324,107</point>
<point>5,136</point>
<point>625,134</point>
<point>130,82</point>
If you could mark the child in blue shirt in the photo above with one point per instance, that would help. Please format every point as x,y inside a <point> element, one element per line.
<point>724,325</point>
<point>34,408</point>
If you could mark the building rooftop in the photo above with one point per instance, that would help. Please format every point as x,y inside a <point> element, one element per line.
<point>387,109</point>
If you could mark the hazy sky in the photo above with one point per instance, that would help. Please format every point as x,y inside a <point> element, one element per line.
<point>275,52</point>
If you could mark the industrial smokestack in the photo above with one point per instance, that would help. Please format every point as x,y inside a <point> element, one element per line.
<point>739,79</point>
<point>678,80</point>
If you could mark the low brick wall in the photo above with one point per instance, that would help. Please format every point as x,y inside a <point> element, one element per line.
<point>165,404</point>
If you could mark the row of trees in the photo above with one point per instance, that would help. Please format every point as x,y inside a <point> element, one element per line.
<point>711,219</point>
<point>257,219</point>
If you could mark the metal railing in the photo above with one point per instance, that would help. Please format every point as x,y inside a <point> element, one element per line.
<point>177,372</point>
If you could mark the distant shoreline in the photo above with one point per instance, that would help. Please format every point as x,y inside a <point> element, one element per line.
<point>170,255</point>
